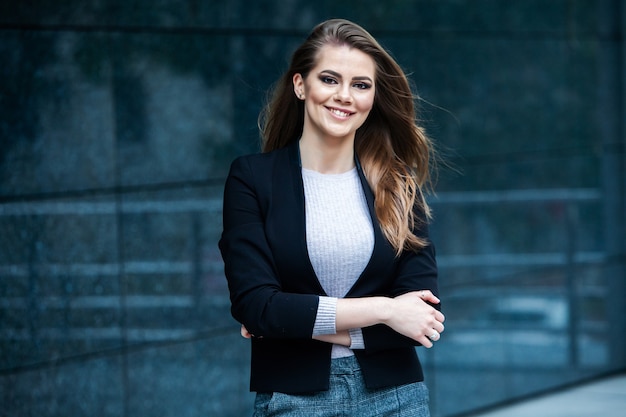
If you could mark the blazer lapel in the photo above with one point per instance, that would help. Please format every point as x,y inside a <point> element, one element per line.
<point>286,226</point>
<point>383,254</point>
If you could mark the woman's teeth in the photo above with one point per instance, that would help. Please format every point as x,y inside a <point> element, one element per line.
<point>340,113</point>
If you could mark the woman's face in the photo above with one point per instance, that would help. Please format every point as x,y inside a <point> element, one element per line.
<point>338,93</point>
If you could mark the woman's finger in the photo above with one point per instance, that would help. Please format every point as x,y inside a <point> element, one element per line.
<point>428,296</point>
<point>245,333</point>
<point>425,341</point>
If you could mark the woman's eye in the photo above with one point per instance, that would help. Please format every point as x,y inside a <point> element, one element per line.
<point>328,80</point>
<point>362,86</point>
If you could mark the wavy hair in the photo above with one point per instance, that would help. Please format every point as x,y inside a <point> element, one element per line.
<point>393,149</point>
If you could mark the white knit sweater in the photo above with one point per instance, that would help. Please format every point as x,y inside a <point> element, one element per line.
<point>340,241</point>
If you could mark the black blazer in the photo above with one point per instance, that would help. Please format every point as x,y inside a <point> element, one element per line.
<point>274,290</point>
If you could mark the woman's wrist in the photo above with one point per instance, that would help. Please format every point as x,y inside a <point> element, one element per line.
<point>363,312</point>
<point>339,338</point>
<point>383,309</point>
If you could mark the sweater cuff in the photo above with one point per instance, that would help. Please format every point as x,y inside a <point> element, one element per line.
<point>356,339</point>
<point>326,315</point>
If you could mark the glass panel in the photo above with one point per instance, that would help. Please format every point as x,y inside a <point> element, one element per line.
<point>118,123</point>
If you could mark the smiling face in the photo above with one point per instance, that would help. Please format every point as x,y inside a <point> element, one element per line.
<point>338,93</point>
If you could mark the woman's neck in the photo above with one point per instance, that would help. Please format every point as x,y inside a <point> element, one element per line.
<point>327,158</point>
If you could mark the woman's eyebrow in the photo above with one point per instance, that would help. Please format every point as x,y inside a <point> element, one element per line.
<point>337,75</point>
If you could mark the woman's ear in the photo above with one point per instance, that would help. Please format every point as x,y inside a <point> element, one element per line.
<point>298,86</point>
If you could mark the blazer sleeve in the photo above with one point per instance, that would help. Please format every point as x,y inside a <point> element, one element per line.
<point>257,299</point>
<point>416,270</point>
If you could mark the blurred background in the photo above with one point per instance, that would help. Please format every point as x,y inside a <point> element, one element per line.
<point>119,119</point>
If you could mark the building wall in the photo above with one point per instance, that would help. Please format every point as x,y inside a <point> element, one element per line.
<point>119,119</point>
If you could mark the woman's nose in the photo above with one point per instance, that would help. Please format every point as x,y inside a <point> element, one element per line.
<point>343,94</point>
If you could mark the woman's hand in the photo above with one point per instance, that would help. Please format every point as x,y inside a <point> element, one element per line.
<point>245,333</point>
<point>411,315</point>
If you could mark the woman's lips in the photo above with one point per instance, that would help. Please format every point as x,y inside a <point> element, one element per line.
<point>339,112</point>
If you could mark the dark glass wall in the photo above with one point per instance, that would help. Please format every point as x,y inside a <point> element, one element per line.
<point>118,121</point>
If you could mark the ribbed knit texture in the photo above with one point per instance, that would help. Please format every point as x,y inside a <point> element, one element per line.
<point>340,241</point>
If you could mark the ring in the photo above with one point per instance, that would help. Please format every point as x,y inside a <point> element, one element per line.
<point>423,294</point>
<point>434,336</point>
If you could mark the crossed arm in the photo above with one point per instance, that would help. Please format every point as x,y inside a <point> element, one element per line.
<point>408,314</point>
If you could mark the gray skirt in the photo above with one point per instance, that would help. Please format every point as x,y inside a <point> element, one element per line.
<point>347,396</point>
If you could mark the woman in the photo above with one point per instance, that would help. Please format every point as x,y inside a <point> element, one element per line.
<point>325,242</point>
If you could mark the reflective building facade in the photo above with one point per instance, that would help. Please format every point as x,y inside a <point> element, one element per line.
<point>118,122</point>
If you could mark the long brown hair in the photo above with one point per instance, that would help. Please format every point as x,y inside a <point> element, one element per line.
<point>393,149</point>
